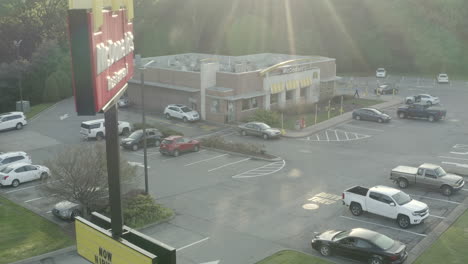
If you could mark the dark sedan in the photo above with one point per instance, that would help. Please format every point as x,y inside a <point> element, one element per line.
<point>386,88</point>
<point>259,129</point>
<point>371,114</point>
<point>360,244</point>
<point>135,140</point>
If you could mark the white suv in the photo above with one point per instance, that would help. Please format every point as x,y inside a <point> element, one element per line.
<point>12,120</point>
<point>181,112</point>
<point>442,78</point>
<point>381,73</point>
<point>96,129</point>
<point>14,157</point>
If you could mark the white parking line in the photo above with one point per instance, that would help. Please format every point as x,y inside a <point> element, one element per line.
<point>17,190</point>
<point>373,129</point>
<point>326,133</point>
<point>435,199</point>
<point>229,164</point>
<point>262,171</point>
<point>455,164</point>
<point>436,216</point>
<point>460,146</point>
<point>35,199</point>
<point>318,139</point>
<point>459,153</point>
<point>398,229</point>
<point>336,135</point>
<point>48,212</point>
<point>219,156</point>
<point>194,243</point>
<point>445,157</point>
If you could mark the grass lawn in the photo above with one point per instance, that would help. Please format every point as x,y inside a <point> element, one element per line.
<point>451,247</point>
<point>36,109</point>
<point>292,257</point>
<point>348,105</point>
<point>23,234</point>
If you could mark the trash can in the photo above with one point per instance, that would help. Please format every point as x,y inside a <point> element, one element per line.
<point>26,106</point>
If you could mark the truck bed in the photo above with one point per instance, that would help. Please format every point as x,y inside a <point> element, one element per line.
<point>358,190</point>
<point>406,169</point>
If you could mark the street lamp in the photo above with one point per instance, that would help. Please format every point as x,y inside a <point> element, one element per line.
<point>142,69</point>
<point>17,44</point>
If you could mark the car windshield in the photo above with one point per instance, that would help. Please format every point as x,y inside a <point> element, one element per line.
<point>382,70</point>
<point>186,109</point>
<point>136,134</point>
<point>167,141</point>
<point>341,235</point>
<point>378,111</point>
<point>264,126</point>
<point>401,198</point>
<point>440,172</point>
<point>383,242</point>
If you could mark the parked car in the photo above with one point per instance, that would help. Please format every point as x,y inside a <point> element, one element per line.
<point>12,120</point>
<point>381,73</point>
<point>371,114</point>
<point>386,201</point>
<point>9,158</point>
<point>430,175</point>
<point>14,174</point>
<point>123,102</point>
<point>442,78</point>
<point>181,112</point>
<point>432,113</point>
<point>135,140</point>
<point>67,210</point>
<point>360,244</point>
<point>175,145</point>
<point>259,129</point>
<point>386,88</point>
<point>96,129</point>
<point>426,99</point>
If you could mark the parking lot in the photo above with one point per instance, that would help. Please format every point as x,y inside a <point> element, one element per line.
<point>236,209</point>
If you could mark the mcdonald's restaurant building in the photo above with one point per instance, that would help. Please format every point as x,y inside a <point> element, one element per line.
<point>228,89</point>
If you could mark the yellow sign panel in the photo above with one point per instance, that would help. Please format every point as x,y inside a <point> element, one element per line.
<point>97,246</point>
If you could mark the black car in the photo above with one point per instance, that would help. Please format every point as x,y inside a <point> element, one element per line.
<point>386,88</point>
<point>135,140</point>
<point>432,113</point>
<point>371,114</point>
<point>360,244</point>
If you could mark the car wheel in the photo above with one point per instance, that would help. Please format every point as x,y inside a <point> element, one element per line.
<point>431,118</point>
<point>99,136</point>
<point>19,126</point>
<point>135,147</point>
<point>380,120</point>
<point>375,260</point>
<point>429,103</point>
<point>15,183</point>
<point>403,183</point>
<point>176,153</point>
<point>409,101</point>
<point>168,116</point>
<point>325,250</point>
<point>265,136</point>
<point>126,131</point>
<point>243,133</point>
<point>357,117</point>
<point>355,209</point>
<point>74,214</point>
<point>185,119</point>
<point>157,143</point>
<point>44,176</point>
<point>196,148</point>
<point>447,190</point>
<point>401,115</point>
<point>403,221</point>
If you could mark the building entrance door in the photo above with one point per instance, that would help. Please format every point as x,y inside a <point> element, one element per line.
<point>231,113</point>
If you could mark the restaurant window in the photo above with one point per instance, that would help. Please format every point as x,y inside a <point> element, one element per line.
<point>289,95</point>
<point>245,104</point>
<point>253,102</point>
<point>274,98</point>
<point>315,75</point>
<point>303,91</point>
<point>215,105</point>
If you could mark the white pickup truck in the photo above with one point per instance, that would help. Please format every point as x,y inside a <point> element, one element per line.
<point>386,201</point>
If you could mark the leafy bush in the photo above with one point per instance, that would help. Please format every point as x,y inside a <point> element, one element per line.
<point>266,116</point>
<point>164,130</point>
<point>244,148</point>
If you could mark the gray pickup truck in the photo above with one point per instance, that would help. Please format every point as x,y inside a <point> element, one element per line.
<point>429,175</point>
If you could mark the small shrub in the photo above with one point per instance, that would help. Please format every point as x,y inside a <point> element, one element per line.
<point>266,116</point>
<point>164,130</point>
<point>142,210</point>
<point>244,148</point>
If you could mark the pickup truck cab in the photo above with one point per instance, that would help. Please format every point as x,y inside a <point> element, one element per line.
<point>386,201</point>
<point>432,113</point>
<point>429,175</point>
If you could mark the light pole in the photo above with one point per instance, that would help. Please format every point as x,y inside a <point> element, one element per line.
<point>17,44</point>
<point>142,69</point>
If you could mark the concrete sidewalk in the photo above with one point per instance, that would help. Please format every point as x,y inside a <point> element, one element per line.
<point>335,121</point>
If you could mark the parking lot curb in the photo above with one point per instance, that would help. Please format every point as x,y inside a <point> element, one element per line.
<point>42,258</point>
<point>430,239</point>
<point>335,121</point>
<point>244,155</point>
